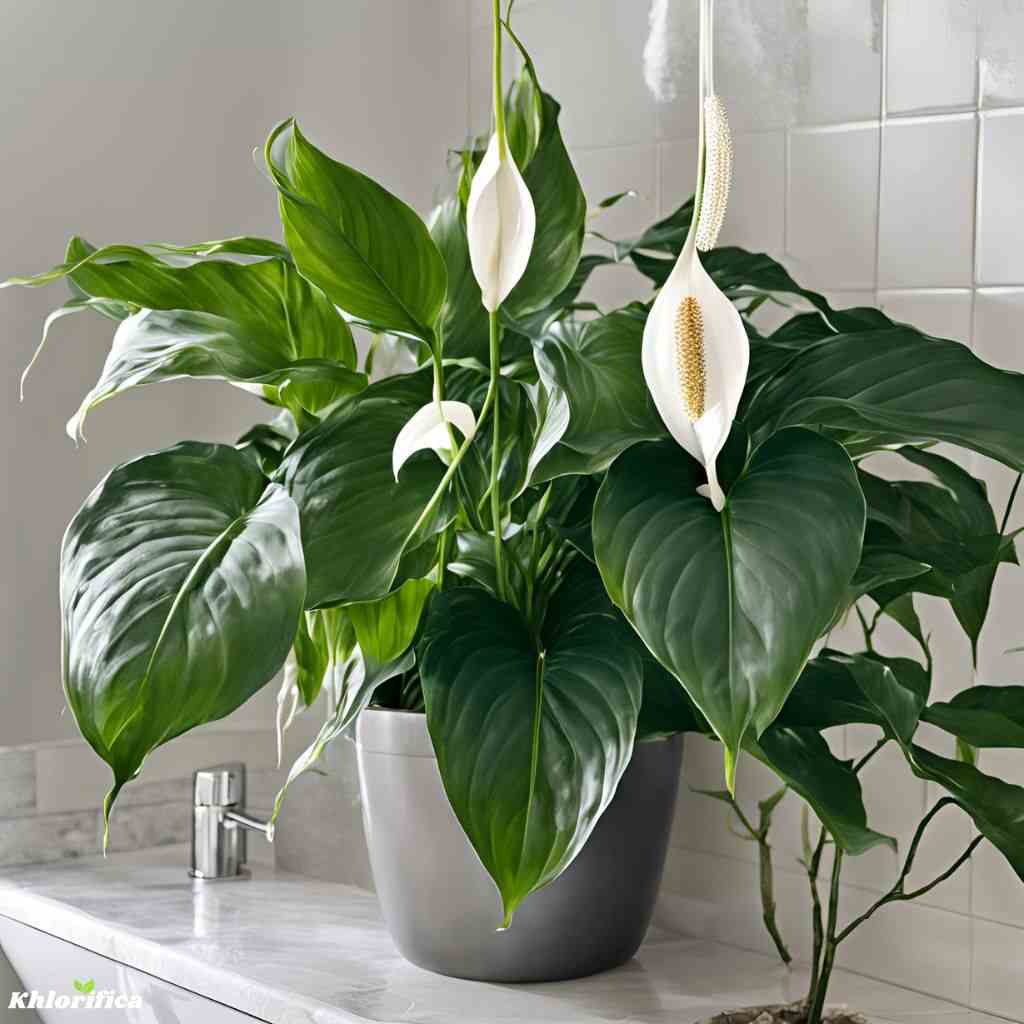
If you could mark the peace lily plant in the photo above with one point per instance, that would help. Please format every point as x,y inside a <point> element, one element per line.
<point>568,532</point>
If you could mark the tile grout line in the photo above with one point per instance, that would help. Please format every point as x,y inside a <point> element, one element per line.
<point>883,99</point>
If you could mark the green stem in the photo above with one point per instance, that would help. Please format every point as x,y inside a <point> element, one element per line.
<point>868,630</point>
<point>495,357</point>
<point>817,1005</point>
<point>817,924</point>
<point>1009,504</point>
<point>870,754</point>
<point>499,108</point>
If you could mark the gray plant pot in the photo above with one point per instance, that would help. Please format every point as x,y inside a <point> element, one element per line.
<point>443,909</point>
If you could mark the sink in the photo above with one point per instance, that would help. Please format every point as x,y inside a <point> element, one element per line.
<point>113,992</point>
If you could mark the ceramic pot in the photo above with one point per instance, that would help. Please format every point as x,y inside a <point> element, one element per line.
<point>441,906</point>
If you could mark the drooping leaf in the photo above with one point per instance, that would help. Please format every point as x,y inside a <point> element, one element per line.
<point>385,628</point>
<point>359,677</point>
<point>802,759</point>
<point>561,211</point>
<point>844,689</point>
<point>983,716</point>
<point>531,734</point>
<point>251,324</point>
<point>364,247</point>
<point>666,709</point>
<point>357,520</point>
<point>160,345</point>
<point>182,582</point>
<point>997,807</point>
<point>731,603</point>
<point>901,382</point>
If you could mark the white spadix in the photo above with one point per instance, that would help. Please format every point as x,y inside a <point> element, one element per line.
<point>429,428</point>
<point>500,224</point>
<point>695,360</point>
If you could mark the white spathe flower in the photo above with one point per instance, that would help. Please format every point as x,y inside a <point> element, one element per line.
<point>428,428</point>
<point>695,360</point>
<point>500,224</point>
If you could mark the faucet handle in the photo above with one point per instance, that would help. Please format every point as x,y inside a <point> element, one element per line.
<point>221,785</point>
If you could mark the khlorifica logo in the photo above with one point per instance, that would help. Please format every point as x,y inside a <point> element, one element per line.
<point>86,997</point>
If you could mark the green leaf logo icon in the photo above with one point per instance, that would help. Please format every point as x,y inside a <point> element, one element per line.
<point>85,987</point>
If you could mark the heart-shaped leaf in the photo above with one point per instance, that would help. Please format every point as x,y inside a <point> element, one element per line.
<point>532,733</point>
<point>357,520</point>
<point>732,603</point>
<point>364,247</point>
<point>182,582</point>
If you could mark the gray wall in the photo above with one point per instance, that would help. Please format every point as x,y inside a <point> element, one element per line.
<point>134,122</point>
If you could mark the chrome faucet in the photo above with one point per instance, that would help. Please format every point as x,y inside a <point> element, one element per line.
<point>219,822</point>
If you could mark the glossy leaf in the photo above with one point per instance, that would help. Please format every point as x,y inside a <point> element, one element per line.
<point>983,716</point>
<point>997,807</point>
<point>357,521</point>
<point>596,366</point>
<point>463,320</point>
<point>802,759</point>
<point>159,345</point>
<point>531,733</point>
<point>731,603</point>
<point>561,211</point>
<point>902,382</point>
<point>385,628</point>
<point>251,324</point>
<point>845,689</point>
<point>182,583</point>
<point>364,247</point>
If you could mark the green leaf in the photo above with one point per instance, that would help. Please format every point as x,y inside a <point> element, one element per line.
<point>385,628</point>
<point>364,247</point>
<point>358,678</point>
<point>996,807</point>
<point>666,709</point>
<point>531,733</point>
<point>254,323</point>
<point>561,212</point>
<point>844,689</point>
<point>732,604</point>
<point>159,345</point>
<point>463,320</point>
<point>899,381</point>
<point>182,582</point>
<point>597,367</point>
<point>266,443</point>
<point>802,759</point>
<point>357,521</point>
<point>983,716</point>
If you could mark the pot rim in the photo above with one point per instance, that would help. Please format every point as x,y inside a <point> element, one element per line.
<point>393,731</point>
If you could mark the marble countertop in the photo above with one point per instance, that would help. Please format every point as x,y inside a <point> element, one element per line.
<point>291,950</point>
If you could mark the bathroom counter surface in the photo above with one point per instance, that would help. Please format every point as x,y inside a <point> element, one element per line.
<point>291,950</point>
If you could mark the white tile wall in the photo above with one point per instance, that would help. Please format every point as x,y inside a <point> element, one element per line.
<point>879,150</point>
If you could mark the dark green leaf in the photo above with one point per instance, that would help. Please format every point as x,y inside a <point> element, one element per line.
<point>463,319</point>
<point>902,382</point>
<point>561,212</point>
<point>983,716</point>
<point>531,734</point>
<point>843,689</point>
<point>357,521</point>
<point>802,759</point>
<point>597,367</point>
<point>181,585</point>
<point>997,807</point>
<point>732,603</point>
<point>364,247</point>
